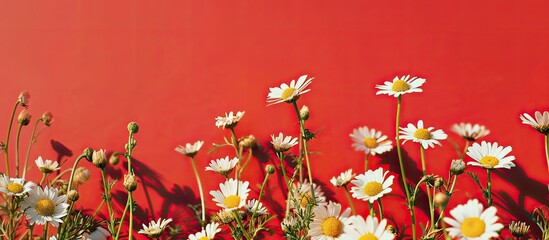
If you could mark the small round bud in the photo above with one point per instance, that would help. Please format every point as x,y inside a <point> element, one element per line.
<point>270,169</point>
<point>81,175</point>
<point>99,158</point>
<point>247,142</point>
<point>439,182</point>
<point>88,154</point>
<point>225,217</point>
<point>24,98</point>
<point>47,118</point>
<point>304,112</point>
<point>113,160</point>
<point>73,195</point>
<point>430,180</point>
<point>130,182</point>
<point>24,117</point>
<point>457,167</point>
<point>133,127</point>
<point>440,199</point>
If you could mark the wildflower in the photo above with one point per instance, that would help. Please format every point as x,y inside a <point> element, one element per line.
<point>440,199</point>
<point>302,194</point>
<point>457,167</point>
<point>224,217</point>
<point>133,127</point>
<point>47,166</point>
<point>304,113</point>
<point>247,142</point>
<point>372,185</point>
<point>370,228</point>
<point>15,186</point>
<point>282,144</point>
<point>270,169</point>
<point>73,195</point>
<point>401,86</point>
<point>207,233</point>
<point>81,175</point>
<point>99,158</point>
<point>155,229</point>
<point>490,155</point>
<point>290,93</point>
<point>44,205</point>
<point>541,123</point>
<point>519,229</point>
<point>24,98</point>
<point>130,182</point>
<point>470,222</point>
<point>190,150</point>
<point>425,136</point>
<point>288,223</point>
<point>328,222</point>
<point>223,166</point>
<point>47,118</point>
<point>470,132</point>
<point>98,234</point>
<point>233,194</point>
<point>254,205</point>
<point>370,141</point>
<point>24,117</point>
<point>343,179</point>
<point>229,121</point>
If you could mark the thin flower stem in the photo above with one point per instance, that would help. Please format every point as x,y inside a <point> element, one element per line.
<point>107,195</point>
<point>547,149</point>
<point>366,162</point>
<point>350,199</point>
<point>489,188</point>
<point>239,223</point>
<point>443,224</point>
<point>130,230</point>
<point>305,150</point>
<point>122,220</point>
<point>45,232</point>
<point>429,195</point>
<point>61,174</point>
<point>257,206</point>
<point>6,146</point>
<point>283,168</point>
<point>197,175</point>
<point>19,127</point>
<point>129,150</point>
<point>238,153</point>
<point>449,195</point>
<point>467,142</point>
<point>31,228</point>
<point>32,141</point>
<point>246,162</point>
<point>371,208</point>
<point>83,155</point>
<point>43,178</point>
<point>380,208</point>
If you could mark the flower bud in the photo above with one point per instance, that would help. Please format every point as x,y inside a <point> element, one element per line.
<point>88,154</point>
<point>269,169</point>
<point>24,98</point>
<point>73,195</point>
<point>430,180</point>
<point>439,182</point>
<point>24,117</point>
<point>130,182</point>
<point>225,217</point>
<point>113,160</point>
<point>304,113</point>
<point>247,142</point>
<point>440,199</point>
<point>133,127</point>
<point>391,229</point>
<point>519,229</point>
<point>81,175</point>
<point>457,167</point>
<point>47,118</point>
<point>99,158</point>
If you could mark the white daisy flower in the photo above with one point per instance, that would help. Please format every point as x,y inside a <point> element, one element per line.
<point>15,186</point>
<point>490,155</point>
<point>470,222</point>
<point>329,222</point>
<point>343,179</point>
<point>44,205</point>
<point>282,144</point>
<point>401,86</point>
<point>229,121</point>
<point>47,166</point>
<point>541,123</point>
<point>425,136</point>
<point>53,237</point>
<point>254,205</point>
<point>98,234</point>
<point>207,233</point>
<point>233,194</point>
<point>367,229</point>
<point>190,150</point>
<point>470,132</point>
<point>370,141</point>
<point>302,194</point>
<point>288,223</point>
<point>372,185</point>
<point>290,93</point>
<point>223,166</point>
<point>155,229</point>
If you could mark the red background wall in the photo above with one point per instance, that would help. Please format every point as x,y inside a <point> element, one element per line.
<point>174,66</point>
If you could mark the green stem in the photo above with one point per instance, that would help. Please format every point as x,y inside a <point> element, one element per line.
<point>197,175</point>
<point>43,178</point>
<point>256,207</point>
<point>239,223</point>
<point>31,228</point>
<point>107,189</point>
<point>366,162</point>
<point>19,127</point>
<point>489,188</point>
<point>350,199</point>
<point>380,209</point>
<point>547,149</point>
<point>73,170</point>
<point>130,230</point>
<point>429,195</point>
<point>122,220</point>
<point>45,232</point>
<point>6,147</point>
<point>467,142</point>
<point>449,195</point>
<point>247,162</point>
<point>238,155</point>
<point>371,209</point>
<point>280,156</point>
<point>32,140</point>
<point>305,150</point>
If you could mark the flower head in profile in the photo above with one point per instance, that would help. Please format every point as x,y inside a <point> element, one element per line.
<point>302,195</point>
<point>289,93</point>
<point>425,136</point>
<point>47,166</point>
<point>190,150</point>
<point>370,141</point>
<point>329,222</point>
<point>229,121</point>
<point>207,233</point>
<point>490,155</point>
<point>255,206</point>
<point>470,132</point>
<point>401,86</point>
<point>232,194</point>
<point>372,185</point>
<point>223,166</point>
<point>471,222</point>
<point>44,205</point>
<point>343,179</point>
<point>81,175</point>
<point>24,98</point>
<point>282,144</point>
<point>15,186</point>
<point>155,229</point>
<point>47,118</point>
<point>370,228</point>
<point>541,123</point>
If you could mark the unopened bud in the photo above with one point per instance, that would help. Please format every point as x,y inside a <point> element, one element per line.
<point>247,142</point>
<point>440,199</point>
<point>24,117</point>
<point>81,175</point>
<point>99,158</point>
<point>225,217</point>
<point>430,180</point>
<point>439,182</point>
<point>47,118</point>
<point>457,167</point>
<point>269,169</point>
<point>113,160</point>
<point>130,182</point>
<point>73,195</point>
<point>304,112</point>
<point>88,154</point>
<point>24,98</point>
<point>519,229</point>
<point>391,229</point>
<point>133,127</point>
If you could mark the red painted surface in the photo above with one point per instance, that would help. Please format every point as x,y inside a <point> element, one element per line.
<point>174,66</point>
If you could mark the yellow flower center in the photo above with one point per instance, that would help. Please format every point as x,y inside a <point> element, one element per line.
<point>232,201</point>
<point>372,188</point>
<point>287,93</point>
<point>368,236</point>
<point>472,227</point>
<point>306,198</point>
<point>370,142</point>
<point>204,238</point>
<point>489,161</point>
<point>331,227</point>
<point>14,187</point>
<point>422,133</point>
<point>400,86</point>
<point>45,207</point>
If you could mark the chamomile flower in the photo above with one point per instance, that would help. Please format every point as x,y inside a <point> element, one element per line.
<point>44,205</point>
<point>254,205</point>
<point>223,166</point>
<point>370,228</point>
<point>372,185</point>
<point>15,186</point>
<point>370,141</point>
<point>288,223</point>
<point>232,194</point>
<point>229,121</point>
<point>190,150</point>
<point>281,143</point>
<point>343,179</point>
<point>329,222</point>
<point>207,233</point>
<point>401,86</point>
<point>98,234</point>
<point>47,166</point>
<point>470,132</point>
<point>425,136</point>
<point>290,93</point>
<point>541,123</point>
<point>302,194</point>
<point>155,229</point>
<point>490,155</point>
<point>471,222</point>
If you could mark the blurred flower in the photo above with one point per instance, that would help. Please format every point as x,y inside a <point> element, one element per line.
<point>229,121</point>
<point>190,150</point>
<point>15,186</point>
<point>113,160</point>
<point>541,123</point>
<point>470,221</point>
<point>367,229</point>
<point>519,229</point>
<point>372,185</point>
<point>73,195</point>
<point>254,205</point>
<point>133,127</point>
<point>24,98</point>
<point>155,229</point>
<point>291,93</point>
<point>130,182</point>
<point>440,199</point>
<point>224,216</point>
<point>490,155</point>
<point>328,222</point>
<point>233,194</point>
<point>401,86</point>
<point>343,179</point>
<point>270,169</point>
<point>370,141</point>
<point>99,158</point>
<point>207,233</point>
<point>282,144</point>
<point>47,118</point>
<point>304,113</point>
<point>223,166</point>
<point>47,166</point>
<point>457,167</point>
<point>470,132</point>
<point>81,175</point>
<point>425,136</point>
<point>98,234</point>
<point>247,142</point>
<point>44,205</point>
<point>288,223</point>
<point>302,194</point>
<point>24,117</point>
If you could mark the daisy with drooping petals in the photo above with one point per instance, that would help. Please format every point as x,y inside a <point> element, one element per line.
<point>232,194</point>
<point>425,136</point>
<point>207,233</point>
<point>290,93</point>
<point>190,150</point>
<point>44,205</point>
<point>15,186</point>
<point>367,229</point>
<point>372,185</point>
<point>471,222</point>
<point>343,179</point>
<point>329,222</point>
<point>370,141</point>
<point>303,196</point>
<point>47,166</point>
<point>254,205</point>
<point>541,123</point>
<point>229,121</point>
<point>470,132</point>
<point>223,166</point>
<point>155,229</point>
<point>281,143</point>
<point>490,155</point>
<point>99,234</point>
<point>401,86</point>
